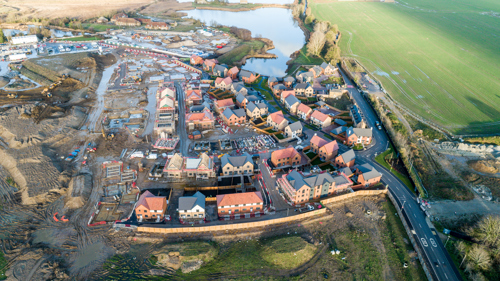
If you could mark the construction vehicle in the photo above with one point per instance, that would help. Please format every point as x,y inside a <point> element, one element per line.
<point>108,136</point>
<point>12,96</point>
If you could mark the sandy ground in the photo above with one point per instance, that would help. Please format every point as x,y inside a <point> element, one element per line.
<point>72,8</point>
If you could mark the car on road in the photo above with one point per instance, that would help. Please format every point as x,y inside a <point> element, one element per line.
<point>377,123</point>
<point>433,243</point>
<point>380,127</point>
<point>436,264</point>
<point>424,242</point>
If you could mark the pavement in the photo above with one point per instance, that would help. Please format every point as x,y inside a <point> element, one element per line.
<point>435,255</point>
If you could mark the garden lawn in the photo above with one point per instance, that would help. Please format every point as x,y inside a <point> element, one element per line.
<point>438,58</point>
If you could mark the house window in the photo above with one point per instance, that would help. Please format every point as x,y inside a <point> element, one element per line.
<point>222,211</point>
<point>146,216</point>
<point>258,208</point>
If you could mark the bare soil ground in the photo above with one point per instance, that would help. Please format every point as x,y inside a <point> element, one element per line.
<point>69,8</point>
<point>166,8</point>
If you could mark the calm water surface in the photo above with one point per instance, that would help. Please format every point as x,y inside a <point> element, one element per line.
<point>275,24</point>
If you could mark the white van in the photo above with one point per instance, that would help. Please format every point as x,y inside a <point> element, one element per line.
<point>153,156</point>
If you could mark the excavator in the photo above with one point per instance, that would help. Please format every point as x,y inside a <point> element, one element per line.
<point>108,136</point>
<point>46,91</point>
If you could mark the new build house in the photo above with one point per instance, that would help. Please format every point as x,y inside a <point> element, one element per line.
<point>150,207</point>
<point>247,76</point>
<point>221,105</point>
<point>235,204</point>
<point>234,116</point>
<point>326,150</point>
<point>233,73</point>
<point>292,103</point>
<point>237,165</point>
<point>304,112</point>
<point>320,119</point>
<point>256,110</point>
<point>193,97</point>
<point>288,81</point>
<point>208,65</point>
<point>192,208</point>
<point>277,121</point>
<point>358,135</point>
<point>367,175</point>
<point>286,157</point>
<point>300,189</point>
<point>200,168</point>
<point>200,121</point>
<point>304,90</point>
<point>293,130</point>
<point>220,70</point>
<point>285,95</point>
<point>345,159</point>
<point>223,83</point>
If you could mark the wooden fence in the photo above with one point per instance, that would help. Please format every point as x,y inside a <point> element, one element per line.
<point>236,226</point>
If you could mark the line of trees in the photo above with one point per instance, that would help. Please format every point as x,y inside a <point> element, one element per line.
<point>480,260</point>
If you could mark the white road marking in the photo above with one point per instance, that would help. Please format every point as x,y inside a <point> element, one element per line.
<point>446,276</point>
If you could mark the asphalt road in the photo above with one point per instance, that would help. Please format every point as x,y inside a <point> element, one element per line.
<point>435,255</point>
<point>181,126</point>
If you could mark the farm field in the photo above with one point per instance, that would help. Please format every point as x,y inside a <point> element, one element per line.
<point>439,59</point>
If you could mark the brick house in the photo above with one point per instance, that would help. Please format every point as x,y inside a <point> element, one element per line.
<point>305,76</point>
<point>304,90</point>
<point>272,81</point>
<point>241,100</point>
<point>293,130</point>
<point>325,149</point>
<point>223,83</point>
<point>346,159</point>
<point>277,121</point>
<point>234,116</point>
<point>320,119</point>
<point>317,142</point>
<point>196,60</point>
<point>208,65</point>
<point>288,81</point>
<point>192,208</point>
<point>221,105</point>
<point>233,73</point>
<point>304,112</point>
<point>247,76</point>
<point>358,135</point>
<point>256,110</point>
<point>239,204</point>
<point>239,88</point>
<point>157,25</point>
<point>200,121</point>
<point>300,189</point>
<point>188,167</point>
<point>367,175</point>
<point>291,103</point>
<point>285,95</point>
<point>150,207</point>
<point>237,165</point>
<point>286,157</point>
<point>143,21</point>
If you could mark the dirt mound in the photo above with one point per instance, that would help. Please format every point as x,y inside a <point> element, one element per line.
<point>3,81</point>
<point>484,166</point>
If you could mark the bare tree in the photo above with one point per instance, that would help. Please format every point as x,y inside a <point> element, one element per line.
<point>297,11</point>
<point>321,26</point>
<point>316,43</point>
<point>479,257</point>
<point>489,231</point>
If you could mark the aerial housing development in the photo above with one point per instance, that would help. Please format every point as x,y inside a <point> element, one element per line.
<point>162,140</point>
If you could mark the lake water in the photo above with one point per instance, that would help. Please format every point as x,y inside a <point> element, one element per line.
<point>275,24</point>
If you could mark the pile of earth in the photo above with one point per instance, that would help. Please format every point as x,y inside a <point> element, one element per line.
<point>4,81</point>
<point>484,166</point>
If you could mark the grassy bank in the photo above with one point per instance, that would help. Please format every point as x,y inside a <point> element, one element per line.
<point>99,27</point>
<point>437,58</point>
<point>3,266</point>
<point>238,53</point>
<point>390,154</point>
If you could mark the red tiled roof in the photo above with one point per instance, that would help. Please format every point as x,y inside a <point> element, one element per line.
<point>224,102</point>
<point>233,70</point>
<point>193,94</point>
<point>285,94</point>
<point>277,117</point>
<point>331,147</point>
<point>151,202</point>
<point>318,141</point>
<point>218,80</point>
<point>157,24</point>
<point>239,198</point>
<point>319,115</point>
<point>284,153</point>
<point>206,115</point>
<point>227,80</point>
<point>303,108</point>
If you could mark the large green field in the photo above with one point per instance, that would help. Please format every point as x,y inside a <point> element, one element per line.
<point>439,58</point>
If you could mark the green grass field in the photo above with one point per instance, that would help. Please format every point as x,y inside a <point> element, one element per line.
<point>438,58</point>
<point>81,38</point>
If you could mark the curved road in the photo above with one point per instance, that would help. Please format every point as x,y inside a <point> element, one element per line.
<point>435,255</point>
